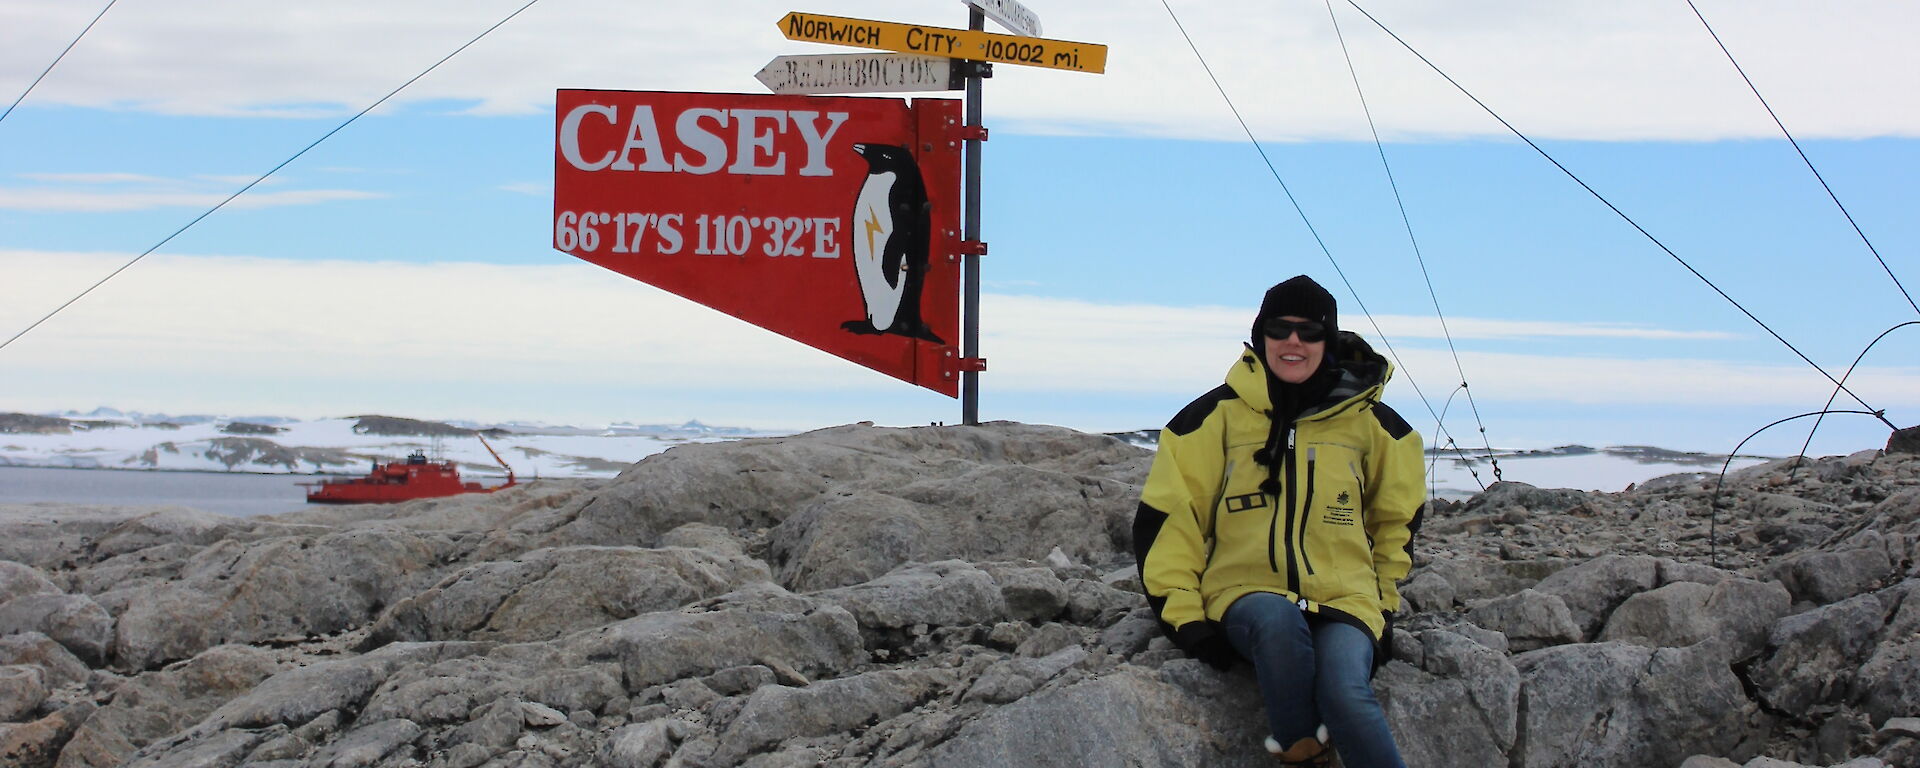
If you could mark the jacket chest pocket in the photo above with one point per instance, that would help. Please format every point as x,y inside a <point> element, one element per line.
<point>1240,501</point>
<point>1339,486</point>
<point>1244,502</point>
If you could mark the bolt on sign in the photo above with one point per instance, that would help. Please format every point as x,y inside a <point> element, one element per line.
<point>833,221</point>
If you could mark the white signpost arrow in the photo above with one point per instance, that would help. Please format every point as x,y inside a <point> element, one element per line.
<point>860,73</point>
<point>1010,14</point>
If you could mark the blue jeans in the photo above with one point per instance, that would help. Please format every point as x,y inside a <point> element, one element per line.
<point>1313,671</point>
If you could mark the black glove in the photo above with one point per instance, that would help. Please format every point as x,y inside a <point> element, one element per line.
<point>1201,641</point>
<point>1383,652</point>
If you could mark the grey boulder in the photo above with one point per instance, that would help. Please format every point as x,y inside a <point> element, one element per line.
<point>149,707</point>
<point>18,580</point>
<point>1738,613</point>
<point>1815,654</point>
<point>1617,704</point>
<point>1591,590</point>
<point>275,589</point>
<point>1130,717</point>
<point>74,621</point>
<point>1474,690</point>
<point>551,592</point>
<point>22,689</point>
<point>1530,619</point>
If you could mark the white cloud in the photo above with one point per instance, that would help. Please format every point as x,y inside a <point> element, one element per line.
<point>1637,69</point>
<point>534,188</point>
<point>95,178</point>
<point>215,319</point>
<point>237,180</point>
<point>1629,382</point>
<point>49,199</point>
<point>1417,327</point>
<point>1068,321</point>
<point>1053,344</point>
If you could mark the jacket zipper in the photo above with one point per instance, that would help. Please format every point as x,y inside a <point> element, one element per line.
<point>1306,514</point>
<point>1293,563</point>
<point>1273,523</point>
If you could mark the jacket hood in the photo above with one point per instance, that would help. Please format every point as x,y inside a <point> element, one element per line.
<point>1363,374</point>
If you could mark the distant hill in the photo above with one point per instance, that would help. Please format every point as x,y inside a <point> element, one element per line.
<point>394,426</point>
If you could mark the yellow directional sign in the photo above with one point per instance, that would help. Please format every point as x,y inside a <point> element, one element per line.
<point>941,41</point>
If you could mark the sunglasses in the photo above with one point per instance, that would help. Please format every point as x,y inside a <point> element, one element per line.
<point>1310,330</point>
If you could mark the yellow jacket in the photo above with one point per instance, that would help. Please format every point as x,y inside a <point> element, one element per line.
<point>1335,538</point>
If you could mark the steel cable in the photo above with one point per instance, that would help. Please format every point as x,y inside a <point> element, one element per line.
<point>1804,159</point>
<point>263,177</point>
<point>1713,504</point>
<point>1407,222</point>
<point>1610,206</point>
<point>1304,219</point>
<point>1844,377</point>
<point>56,59</point>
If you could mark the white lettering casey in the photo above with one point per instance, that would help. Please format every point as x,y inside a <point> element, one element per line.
<point>702,134</point>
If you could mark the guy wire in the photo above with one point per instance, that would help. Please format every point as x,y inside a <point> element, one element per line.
<point>1804,159</point>
<point>56,59</point>
<point>1296,206</point>
<point>1844,377</point>
<point>1407,222</point>
<point>1713,503</point>
<point>263,177</point>
<point>1616,209</point>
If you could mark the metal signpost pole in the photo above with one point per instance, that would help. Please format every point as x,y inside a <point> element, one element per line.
<point>973,51</point>
<point>970,232</point>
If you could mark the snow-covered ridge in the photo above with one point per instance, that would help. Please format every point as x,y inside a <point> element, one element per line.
<point>106,438</point>
<point>1458,473</point>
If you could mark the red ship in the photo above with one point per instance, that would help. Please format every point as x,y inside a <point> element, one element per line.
<point>415,478</point>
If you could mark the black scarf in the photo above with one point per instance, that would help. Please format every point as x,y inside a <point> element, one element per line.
<point>1289,401</point>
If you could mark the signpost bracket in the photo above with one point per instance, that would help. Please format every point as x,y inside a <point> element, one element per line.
<point>975,364</point>
<point>958,70</point>
<point>970,248</point>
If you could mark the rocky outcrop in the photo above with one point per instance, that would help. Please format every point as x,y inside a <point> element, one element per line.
<point>399,427</point>
<point>152,706</point>
<point>1618,704</point>
<point>262,454</point>
<point>551,592</point>
<point>249,428</point>
<point>272,589</point>
<point>27,423</point>
<point>950,596</point>
<point>74,621</point>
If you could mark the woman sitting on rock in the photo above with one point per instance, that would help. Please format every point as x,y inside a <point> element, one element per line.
<point>1275,524</point>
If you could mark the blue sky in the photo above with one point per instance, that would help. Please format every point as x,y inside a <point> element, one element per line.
<point>404,266</point>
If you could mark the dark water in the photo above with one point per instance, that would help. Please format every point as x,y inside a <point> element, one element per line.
<point>235,494</point>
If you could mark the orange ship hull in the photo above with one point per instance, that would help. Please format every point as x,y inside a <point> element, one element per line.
<point>415,478</point>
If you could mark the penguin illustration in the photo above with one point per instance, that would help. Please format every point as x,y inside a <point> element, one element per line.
<point>891,219</point>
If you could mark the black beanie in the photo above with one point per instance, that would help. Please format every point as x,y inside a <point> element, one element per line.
<point>1299,296</point>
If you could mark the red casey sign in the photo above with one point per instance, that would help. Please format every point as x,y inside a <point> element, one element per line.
<point>832,221</point>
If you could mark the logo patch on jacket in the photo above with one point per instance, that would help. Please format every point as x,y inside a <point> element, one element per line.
<point>1244,503</point>
<point>1339,512</point>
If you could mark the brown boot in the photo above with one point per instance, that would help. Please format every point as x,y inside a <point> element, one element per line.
<point>1308,752</point>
